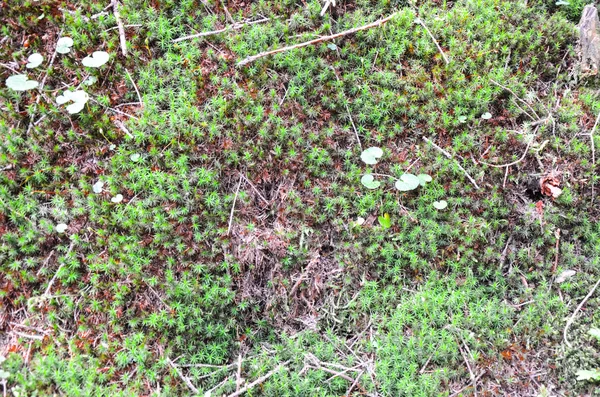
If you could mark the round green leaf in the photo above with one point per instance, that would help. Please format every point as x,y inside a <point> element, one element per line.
<point>440,205</point>
<point>34,60</point>
<point>424,178</point>
<point>371,155</point>
<point>19,82</point>
<point>117,199</point>
<point>97,188</point>
<point>90,80</point>
<point>79,99</point>
<point>407,182</point>
<point>369,181</point>
<point>97,59</point>
<point>135,157</point>
<point>63,45</point>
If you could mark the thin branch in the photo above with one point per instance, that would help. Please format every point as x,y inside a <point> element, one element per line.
<point>235,26</point>
<point>237,191</point>
<point>450,157</point>
<point>136,89</point>
<point>516,96</point>
<point>315,41</point>
<point>556,249</point>
<point>115,5</point>
<point>259,380</point>
<point>572,318</point>
<point>238,375</point>
<point>594,151</point>
<point>514,162</point>
<point>471,374</point>
<point>348,110</point>
<point>183,378</point>
<point>420,22</point>
<point>255,189</point>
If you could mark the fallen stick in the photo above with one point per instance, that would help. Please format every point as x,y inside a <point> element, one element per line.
<point>594,151</point>
<point>235,26</point>
<point>450,157</point>
<point>259,380</point>
<point>315,41</point>
<point>237,191</point>
<point>572,318</point>
<point>136,89</point>
<point>183,378</point>
<point>115,6</point>
<point>420,22</point>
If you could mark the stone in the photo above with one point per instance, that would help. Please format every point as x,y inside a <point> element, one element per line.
<point>589,38</point>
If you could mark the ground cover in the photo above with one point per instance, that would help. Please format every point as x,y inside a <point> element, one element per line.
<point>195,226</point>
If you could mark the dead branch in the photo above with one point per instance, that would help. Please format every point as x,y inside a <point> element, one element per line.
<point>420,22</point>
<point>594,151</point>
<point>318,40</point>
<point>115,5</point>
<point>514,162</point>
<point>516,96</point>
<point>135,87</point>
<point>235,26</point>
<point>450,157</point>
<point>259,380</point>
<point>572,318</point>
<point>348,111</point>
<point>183,378</point>
<point>557,248</point>
<point>237,191</point>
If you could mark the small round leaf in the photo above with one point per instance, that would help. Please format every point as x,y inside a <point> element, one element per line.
<point>63,45</point>
<point>34,60</point>
<point>440,205</point>
<point>424,178</point>
<point>486,116</point>
<point>369,181</point>
<point>61,228</point>
<point>19,82</point>
<point>97,187</point>
<point>371,155</point>
<point>117,199</point>
<point>135,157</point>
<point>97,59</point>
<point>407,182</point>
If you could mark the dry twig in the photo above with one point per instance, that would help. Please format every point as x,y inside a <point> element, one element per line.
<point>115,5</point>
<point>235,26</point>
<point>182,377</point>
<point>135,87</point>
<point>450,157</point>
<point>572,318</point>
<point>377,23</point>
<point>594,151</point>
<point>259,380</point>
<point>237,191</point>
<point>420,22</point>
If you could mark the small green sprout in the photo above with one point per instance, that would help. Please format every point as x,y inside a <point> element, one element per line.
<point>385,221</point>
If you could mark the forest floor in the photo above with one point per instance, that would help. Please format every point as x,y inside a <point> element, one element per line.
<point>409,208</point>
